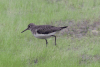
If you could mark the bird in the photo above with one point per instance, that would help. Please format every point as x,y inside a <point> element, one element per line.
<point>44,31</point>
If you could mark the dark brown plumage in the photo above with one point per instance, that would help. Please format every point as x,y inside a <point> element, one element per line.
<point>43,31</point>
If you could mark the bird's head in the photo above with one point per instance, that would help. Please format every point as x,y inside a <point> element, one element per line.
<point>29,27</point>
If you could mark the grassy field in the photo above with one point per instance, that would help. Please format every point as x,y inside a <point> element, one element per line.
<point>24,50</point>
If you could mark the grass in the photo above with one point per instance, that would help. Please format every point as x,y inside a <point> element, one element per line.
<point>24,50</point>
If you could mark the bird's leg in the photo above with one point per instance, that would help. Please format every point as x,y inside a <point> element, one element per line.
<point>55,39</point>
<point>46,42</point>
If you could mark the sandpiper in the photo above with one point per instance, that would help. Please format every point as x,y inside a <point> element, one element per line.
<point>44,31</point>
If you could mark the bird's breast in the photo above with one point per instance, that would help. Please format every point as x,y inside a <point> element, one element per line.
<point>43,36</point>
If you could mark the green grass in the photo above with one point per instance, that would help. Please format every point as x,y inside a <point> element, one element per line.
<point>22,50</point>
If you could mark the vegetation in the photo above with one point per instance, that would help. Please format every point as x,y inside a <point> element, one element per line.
<point>24,50</point>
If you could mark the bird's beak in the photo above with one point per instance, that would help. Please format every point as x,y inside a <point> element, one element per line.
<point>24,30</point>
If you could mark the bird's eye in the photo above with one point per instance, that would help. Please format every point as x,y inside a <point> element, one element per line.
<point>29,26</point>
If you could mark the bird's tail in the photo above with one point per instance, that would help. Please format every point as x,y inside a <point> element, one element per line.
<point>63,27</point>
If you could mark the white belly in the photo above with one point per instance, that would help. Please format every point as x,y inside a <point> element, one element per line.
<point>43,36</point>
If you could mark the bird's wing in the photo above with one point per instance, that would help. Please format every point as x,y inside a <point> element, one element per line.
<point>47,29</point>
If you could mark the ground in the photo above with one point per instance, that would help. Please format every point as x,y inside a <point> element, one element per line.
<point>77,46</point>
